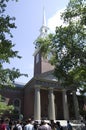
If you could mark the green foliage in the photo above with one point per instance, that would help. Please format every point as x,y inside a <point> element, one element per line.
<point>44,44</point>
<point>70,43</point>
<point>4,107</point>
<point>68,46</point>
<point>75,9</point>
<point>70,52</point>
<point>7,76</point>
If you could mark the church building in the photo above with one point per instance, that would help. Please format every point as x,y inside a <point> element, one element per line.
<point>43,96</point>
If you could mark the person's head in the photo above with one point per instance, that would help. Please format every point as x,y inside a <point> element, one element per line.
<point>51,121</point>
<point>19,122</point>
<point>58,123</point>
<point>7,120</point>
<point>29,120</point>
<point>42,122</point>
<point>68,121</point>
<point>15,122</point>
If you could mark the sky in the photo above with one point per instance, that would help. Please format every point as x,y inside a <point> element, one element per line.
<point>29,17</point>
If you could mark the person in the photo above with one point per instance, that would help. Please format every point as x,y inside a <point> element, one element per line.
<point>58,126</point>
<point>7,120</point>
<point>19,125</point>
<point>52,124</point>
<point>69,126</point>
<point>29,125</point>
<point>44,126</point>
<point>36,125</point>
<point>84,127</point>
<point>2,125</point>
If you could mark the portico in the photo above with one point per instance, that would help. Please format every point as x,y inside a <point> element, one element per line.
<point>52,106</point>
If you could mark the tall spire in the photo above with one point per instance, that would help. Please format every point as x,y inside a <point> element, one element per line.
<point>43,31</point>
<point>44,17</point>
<point>44,28</point>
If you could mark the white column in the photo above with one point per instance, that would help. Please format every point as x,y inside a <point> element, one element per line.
<point>65,106</point>
<point>51,105</point>
<point>37,104</point>
<point>76,105</point>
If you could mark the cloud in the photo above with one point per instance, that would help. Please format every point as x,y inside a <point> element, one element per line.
<point>55,20</point>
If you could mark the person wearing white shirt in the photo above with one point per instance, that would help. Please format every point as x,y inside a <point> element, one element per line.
<point>19,126</point>
<point>29,125</point>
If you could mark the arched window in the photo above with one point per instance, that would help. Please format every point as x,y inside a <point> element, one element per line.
<point>17,103</point>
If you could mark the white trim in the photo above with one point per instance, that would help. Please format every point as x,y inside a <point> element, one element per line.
<point>36,51</point>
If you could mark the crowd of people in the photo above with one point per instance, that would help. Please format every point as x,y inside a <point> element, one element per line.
<point>34,125</point>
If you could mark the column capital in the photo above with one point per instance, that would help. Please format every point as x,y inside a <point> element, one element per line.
<point>51,89</point>
<point>64,90</point>
<point>74,91</point>
<point>36,86</point>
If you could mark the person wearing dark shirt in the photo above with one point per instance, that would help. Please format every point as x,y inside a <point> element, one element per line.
<point>69,126</point>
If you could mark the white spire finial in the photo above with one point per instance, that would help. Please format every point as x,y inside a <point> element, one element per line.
<point>44,17</point>
<point>44,28</point>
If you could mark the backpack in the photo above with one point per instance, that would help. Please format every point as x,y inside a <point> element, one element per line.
<point>15,128</point>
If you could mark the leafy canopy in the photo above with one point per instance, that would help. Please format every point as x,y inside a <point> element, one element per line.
<point>7,75</point>
<point>68,46</point>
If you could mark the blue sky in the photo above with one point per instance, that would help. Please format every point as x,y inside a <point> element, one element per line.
<point>29,15</point>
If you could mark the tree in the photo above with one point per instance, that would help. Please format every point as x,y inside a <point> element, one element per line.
<point>7,75</point>
<point>4,107</point>
<point>68,46</point>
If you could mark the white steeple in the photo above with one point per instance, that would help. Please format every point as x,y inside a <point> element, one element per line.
<point>43,31</point>
<point>44,28</point>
